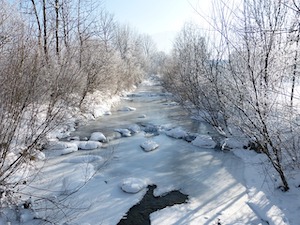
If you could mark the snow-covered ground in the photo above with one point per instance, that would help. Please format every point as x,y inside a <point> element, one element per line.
<point>98,183</point>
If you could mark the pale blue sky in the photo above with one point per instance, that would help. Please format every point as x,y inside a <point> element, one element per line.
<point>160,18</point>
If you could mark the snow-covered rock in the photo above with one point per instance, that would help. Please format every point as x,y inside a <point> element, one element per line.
<point>149,145</point>
<point>88,145</point>
<point>176,133</point>
<point>134,128</point>
<point>133,185</point>
<point>204,141</point>
<point>127,108</point>
<point>124,132</point>
<point>57,148</point>
<point>98,136</point>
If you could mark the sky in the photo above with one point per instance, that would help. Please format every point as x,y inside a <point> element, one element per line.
<point>162,19</point>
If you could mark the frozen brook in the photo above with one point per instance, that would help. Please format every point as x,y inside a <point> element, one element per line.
<point>88,183</point>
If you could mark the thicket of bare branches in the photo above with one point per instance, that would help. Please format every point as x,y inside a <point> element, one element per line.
<point>246,78</point>
<point>52,54</point>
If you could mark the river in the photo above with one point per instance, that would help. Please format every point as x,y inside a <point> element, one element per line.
<point>213,180</point>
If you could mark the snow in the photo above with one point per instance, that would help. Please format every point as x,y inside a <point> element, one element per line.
<point>73,138</point>
<point>133,185</point>
<point>149,145</point>
<point>38,155</point>
<point>204,141</point>
<point>176,133</point>
<point>123,132</point>
<point>233,188</point>
<point>59,145</point>
<point>234,143</point>
<point>134,128</point>
<point>85,159</point>
<point>57,148</point>
<point>127,108</point>
<point>97,136</point>
<point>88,145</point>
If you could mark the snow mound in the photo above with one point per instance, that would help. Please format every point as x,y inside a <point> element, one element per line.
<point>124,132</point>
<point>133,185</point>
<point>204,141</point>
<point>57,148</point>
<point>107,113</point>
<point>234,143</point>
<point>59,145</point>
<point>149,145</point>
<point>98,136</point>
<point>88,145</point>
<point>85,159</point>
<point>134,128</point>
<point>127,109</point>
<point>176,133</point>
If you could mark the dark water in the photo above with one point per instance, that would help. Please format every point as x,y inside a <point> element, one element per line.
<point>139,214</point>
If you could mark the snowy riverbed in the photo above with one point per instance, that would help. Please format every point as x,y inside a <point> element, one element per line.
<point>90,186</point>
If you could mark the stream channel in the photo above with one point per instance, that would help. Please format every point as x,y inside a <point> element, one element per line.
<point>153,107</point>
